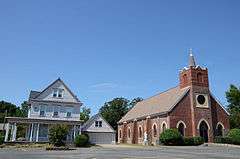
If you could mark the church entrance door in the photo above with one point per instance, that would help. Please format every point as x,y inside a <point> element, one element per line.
<point>204,131</point>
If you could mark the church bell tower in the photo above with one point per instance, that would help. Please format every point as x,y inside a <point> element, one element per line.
<point>196,77</point>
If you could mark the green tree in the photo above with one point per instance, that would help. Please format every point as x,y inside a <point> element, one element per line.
<point>24,109</point>
<point>114,110</point>
<point>58,134</point>
<point>233,98</point>
<point>8,109</point>
<point>85,113</point>
<point>134,102</point>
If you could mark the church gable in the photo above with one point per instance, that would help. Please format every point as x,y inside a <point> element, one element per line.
<point>58,92</point>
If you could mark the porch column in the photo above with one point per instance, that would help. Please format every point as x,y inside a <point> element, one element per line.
<point>74,131</point>
<point>14,134</point>
<point>80,130</point>
<point>7,132</point>
<point>37,132</point>
<point>31,132</point>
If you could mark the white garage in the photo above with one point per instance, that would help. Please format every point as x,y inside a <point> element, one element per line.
<point>99,131</point>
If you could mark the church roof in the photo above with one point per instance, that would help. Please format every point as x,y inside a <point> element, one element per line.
<point>160,103</point>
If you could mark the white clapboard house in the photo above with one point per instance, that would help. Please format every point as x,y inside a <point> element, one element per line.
<point>54,105</point>
<point>99,131</point>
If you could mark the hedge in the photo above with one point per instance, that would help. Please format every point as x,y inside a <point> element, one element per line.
<point>193,141</point>
<point>171,137</point>
<point>81,140</point>
<point>1,139</point>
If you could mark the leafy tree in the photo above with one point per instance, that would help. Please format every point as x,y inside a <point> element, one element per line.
<point>58,134</point>
<point>24,109</point>
<point>115,109</point>
<point>9,109</point>
<point>85,113</point>
<point>233,98</point>
<point>134,102</point>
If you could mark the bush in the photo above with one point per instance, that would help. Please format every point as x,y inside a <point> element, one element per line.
<point>58,134</point>
<point>234,134</point>
<point>193,141</point>
<point>1,139</point>
<point>171,137</point>
<point>81,140</point>
<point>224,140</point>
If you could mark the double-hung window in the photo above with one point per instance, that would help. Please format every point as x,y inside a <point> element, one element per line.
<point>42,110</point>
<point>98,123</point>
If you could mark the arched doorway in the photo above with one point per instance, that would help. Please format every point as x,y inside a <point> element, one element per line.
<point>203,130</point>
<point>219,130</point>
<point>181,129</point>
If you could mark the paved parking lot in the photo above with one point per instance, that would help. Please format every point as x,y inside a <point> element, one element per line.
<point>126,152</point>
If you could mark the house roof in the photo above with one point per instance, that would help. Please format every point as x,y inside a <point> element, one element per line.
<point>160,103</point>
<point>33,94</point>
<point>36,94</point>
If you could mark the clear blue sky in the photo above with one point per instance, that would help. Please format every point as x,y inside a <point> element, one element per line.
<point>106,49</point>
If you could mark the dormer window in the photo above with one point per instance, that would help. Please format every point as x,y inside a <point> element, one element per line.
<point>60,93</point>
<point>57,93</point>
<point>98,123</point>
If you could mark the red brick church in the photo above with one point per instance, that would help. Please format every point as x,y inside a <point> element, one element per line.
<point>190,107</point>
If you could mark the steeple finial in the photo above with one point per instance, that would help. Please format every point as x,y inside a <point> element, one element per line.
<point>191,59</point>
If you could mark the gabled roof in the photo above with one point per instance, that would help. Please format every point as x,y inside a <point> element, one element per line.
<point>160,103</point>
<point>33,94</point>
<point>92,120</point>
<point>36,94</point>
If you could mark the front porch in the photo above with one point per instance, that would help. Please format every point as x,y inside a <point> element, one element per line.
<point>37,130</point>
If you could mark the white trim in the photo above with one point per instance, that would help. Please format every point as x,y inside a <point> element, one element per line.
<point>198,126</point>
<point>164,122</point>
<point>219,103</point>
<point>179,122</point>
<point>220,123</point>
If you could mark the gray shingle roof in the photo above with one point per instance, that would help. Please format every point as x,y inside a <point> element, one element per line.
<point>160,103</point>
<point>33,94</point>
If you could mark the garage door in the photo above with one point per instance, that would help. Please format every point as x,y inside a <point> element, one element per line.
<point>102,138</point>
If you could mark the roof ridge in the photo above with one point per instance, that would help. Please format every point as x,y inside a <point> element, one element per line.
<point>158,94</point>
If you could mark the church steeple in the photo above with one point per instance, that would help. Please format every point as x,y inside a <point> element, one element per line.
<point>193,75</point>
<point>191,59</point>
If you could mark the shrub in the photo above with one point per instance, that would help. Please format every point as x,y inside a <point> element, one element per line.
<point>81,140</point>
<point>171,137</point>
<point>1,139</point>
<point>193,141</point>
<point>58,134</point>
<point>225,140</point>
<point>234,134</point>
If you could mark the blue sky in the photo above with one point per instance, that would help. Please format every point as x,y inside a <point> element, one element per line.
<point>106,49</point>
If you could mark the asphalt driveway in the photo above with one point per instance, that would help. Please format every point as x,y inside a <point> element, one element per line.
<point>125,152</point>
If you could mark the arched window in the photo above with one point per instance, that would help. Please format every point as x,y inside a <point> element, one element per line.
<point>154,130</point>
<point>140,132</point>
<point>129,133</point>
<point>181,129</point>
<point>120,133</point>
<point>164,127</point>
<point>200,77</point>
<point>219,129</point>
